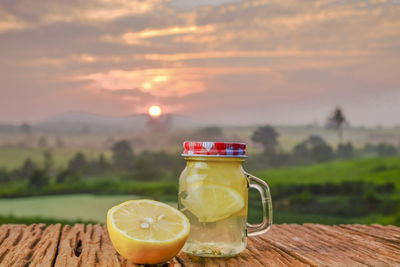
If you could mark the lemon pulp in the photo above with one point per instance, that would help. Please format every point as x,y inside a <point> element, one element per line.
<point>147,231</point>
<point>211,202</point>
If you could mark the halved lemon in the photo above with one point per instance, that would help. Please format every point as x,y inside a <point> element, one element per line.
<point>211,202</point>
<point>147,231</point>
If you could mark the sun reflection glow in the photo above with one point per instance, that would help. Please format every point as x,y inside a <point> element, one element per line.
<point>146,85</point>
<point>155,111</point>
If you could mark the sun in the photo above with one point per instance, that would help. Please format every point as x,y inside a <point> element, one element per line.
<point>155,111</point>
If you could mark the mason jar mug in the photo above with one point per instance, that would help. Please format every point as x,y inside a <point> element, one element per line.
<point>213,194</point>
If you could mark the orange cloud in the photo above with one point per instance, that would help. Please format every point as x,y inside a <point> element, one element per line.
<point>158,82</point>
<point>10,23</point>
<point>102,10</point>
<point>137,37</point>
<point>91,11</point>
<point>163,82</point>
<point>77,58</point>
<point>244,54</point>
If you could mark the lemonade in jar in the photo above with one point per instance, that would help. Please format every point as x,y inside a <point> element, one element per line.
<point>213,194</point>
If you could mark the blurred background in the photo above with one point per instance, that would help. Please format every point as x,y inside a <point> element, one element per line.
<point>97,97</point>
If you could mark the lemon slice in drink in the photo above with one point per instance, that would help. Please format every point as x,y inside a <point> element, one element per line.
<point>147,231</point>
<point>212,202</point>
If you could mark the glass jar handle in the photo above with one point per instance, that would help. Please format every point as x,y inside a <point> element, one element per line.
<point>263,189</point>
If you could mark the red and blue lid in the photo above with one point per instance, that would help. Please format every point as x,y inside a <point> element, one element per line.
<point>214,149</point>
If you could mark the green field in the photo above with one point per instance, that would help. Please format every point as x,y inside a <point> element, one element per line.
<point>86,207</point>
<point>358,198</point>
<point>64,207</point>
<point>376,201</point>
<point>377,170</point>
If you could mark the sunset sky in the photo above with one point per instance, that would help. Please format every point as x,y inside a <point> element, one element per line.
<point>216,61</point>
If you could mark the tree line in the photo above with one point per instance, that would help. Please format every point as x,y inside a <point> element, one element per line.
<point>313,149</point>
<point>123,164</point>
<point>155,166</point>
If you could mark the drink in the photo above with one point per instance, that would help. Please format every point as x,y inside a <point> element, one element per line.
<point>218,229</point>
<point>217,239</point>
<point>213,194</point>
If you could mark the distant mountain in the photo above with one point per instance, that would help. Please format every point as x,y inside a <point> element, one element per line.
<point>80,122</point>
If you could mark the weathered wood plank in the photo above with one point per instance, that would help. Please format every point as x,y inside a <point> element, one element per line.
<point>350,248</point>
<point>377,231</point>
<point>85,245</point>
<point>365,248</point>
<point>33,245</point>
<point>321,245</point>
<point>283,245</point>
<point>299,245</point>
<point>258,253</point>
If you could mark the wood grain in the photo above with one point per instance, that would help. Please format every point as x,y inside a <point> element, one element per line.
<point>283,245</point>
<point>34,245</point>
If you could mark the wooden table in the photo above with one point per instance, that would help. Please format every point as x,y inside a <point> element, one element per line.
<point>283,245</point>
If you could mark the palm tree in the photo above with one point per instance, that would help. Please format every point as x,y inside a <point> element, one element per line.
<point>336,121</point>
